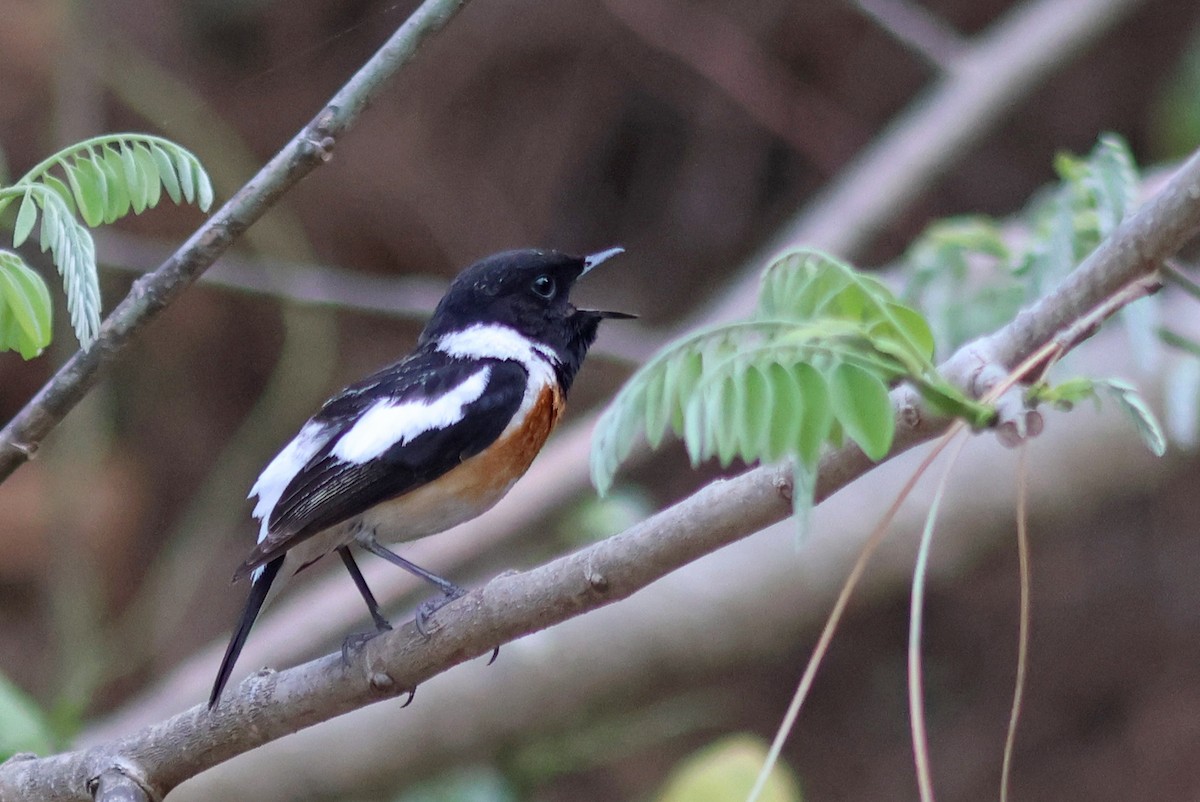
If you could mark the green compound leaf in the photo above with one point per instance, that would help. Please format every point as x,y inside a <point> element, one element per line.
<point>147,169</point>
<point>813,364</point>
<point>102,179</point>
<point>1112,178</point>
<point>89,190</point>
<point>166,172</point>
<point>787,412</point>
<point>806,284</point>
<point>25,310</point>
<point>863,408</point>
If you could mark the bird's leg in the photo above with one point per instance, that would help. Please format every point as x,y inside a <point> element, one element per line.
<point>427,608</point>
<point>355,642</point>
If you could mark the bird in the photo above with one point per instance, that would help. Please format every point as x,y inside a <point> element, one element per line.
<point>430,441</point>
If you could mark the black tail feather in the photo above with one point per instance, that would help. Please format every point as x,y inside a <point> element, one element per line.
<point>258,595</point>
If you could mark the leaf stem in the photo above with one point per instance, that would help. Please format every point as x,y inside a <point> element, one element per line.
<point>48,163</point>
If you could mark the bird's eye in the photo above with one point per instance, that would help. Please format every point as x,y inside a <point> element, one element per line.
<point>544,287</point>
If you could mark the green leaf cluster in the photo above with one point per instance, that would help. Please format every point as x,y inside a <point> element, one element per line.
<point>812,366</point>
<point>969,275</point>
<point>94,182</point>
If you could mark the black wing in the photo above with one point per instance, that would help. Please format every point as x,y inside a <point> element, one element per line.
<point>329,490</point>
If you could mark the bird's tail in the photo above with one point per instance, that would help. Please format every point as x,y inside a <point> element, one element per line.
<point>259,588</point>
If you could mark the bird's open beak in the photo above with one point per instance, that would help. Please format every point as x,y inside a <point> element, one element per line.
<point>596,258</point>
<point>588,263</point>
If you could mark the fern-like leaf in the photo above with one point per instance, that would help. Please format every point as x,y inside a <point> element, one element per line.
<point>102,179</point>
<point>813,364</point>
<point>807,284</point>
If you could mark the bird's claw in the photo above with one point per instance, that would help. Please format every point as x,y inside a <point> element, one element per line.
<point>428,607</point>
<point>354,643</point>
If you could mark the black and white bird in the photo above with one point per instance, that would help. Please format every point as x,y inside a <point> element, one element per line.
<point>430,441</point>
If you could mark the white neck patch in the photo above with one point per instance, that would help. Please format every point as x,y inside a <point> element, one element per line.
<point>496,341</point>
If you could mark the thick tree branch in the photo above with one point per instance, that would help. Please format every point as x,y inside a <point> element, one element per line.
<point>272,704</point>
<point>312,146</point>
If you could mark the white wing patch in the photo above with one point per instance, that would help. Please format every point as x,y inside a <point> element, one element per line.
<point>496,341</point>
<point>281,470</point>
<point>387,423</point>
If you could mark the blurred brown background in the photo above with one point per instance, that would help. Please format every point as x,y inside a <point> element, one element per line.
<point>687,132</point>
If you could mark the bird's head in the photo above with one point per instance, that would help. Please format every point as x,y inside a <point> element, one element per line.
<point>526,291</point>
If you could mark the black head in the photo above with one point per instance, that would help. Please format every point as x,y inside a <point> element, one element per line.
<point>529,292</point>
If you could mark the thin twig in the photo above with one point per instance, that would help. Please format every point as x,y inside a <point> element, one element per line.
<point>1173,273</point>
<point>918,29</point>
<point>311,147</point>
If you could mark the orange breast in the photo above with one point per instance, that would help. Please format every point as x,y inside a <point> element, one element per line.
<point>474,486</point>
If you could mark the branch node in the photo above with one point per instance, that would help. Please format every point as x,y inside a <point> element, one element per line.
<point>1015,431</point>
<point>121,782</point>
<point>317,143</point>
<point>986,372</point>
<point>381,681</point>
<point>1016,421</point>
<point>910,411</point>
<point>596,579</point>
<point>783,484</point>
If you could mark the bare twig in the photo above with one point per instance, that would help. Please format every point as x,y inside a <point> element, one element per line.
<point>312,146</point>
<point>916,28</point>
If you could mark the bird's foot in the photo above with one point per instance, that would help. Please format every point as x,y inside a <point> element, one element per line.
<point>428,607</point>
<point>353,644</point>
